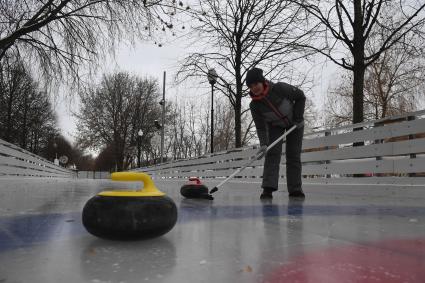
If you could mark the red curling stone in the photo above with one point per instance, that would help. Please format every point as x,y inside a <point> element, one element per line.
<point>194,189</point>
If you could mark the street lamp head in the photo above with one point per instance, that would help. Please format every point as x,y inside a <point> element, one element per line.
<point>212,76</point>
<point>140,133</point>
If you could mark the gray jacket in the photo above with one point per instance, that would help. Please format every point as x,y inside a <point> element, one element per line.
<point>281,107</point>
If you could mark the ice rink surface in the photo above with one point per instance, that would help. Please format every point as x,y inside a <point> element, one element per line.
<point>338,234</point>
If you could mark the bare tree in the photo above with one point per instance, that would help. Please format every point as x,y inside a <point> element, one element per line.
<point>339,102</point>
<point>349,26</point>
<point>311,116</point>
<point>60,36</point>
<point>106,160</point>
<point>393,85</point>
<point>177,137</point>
<point>240,35</point>
<point>185,130</point>
<point>194,128</point>
<point>188,131</point>
<point>26,114</point>
<point>40,120</point>
<point>113,112</point>
<point>15,83</point>
<point>224,127</point>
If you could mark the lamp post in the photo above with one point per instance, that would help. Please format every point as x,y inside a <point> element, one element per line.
<point>139,144</point>
<point>212,78</point>
<point>162,103</point>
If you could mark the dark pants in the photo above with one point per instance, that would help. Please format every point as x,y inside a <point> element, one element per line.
<point>293,159</point>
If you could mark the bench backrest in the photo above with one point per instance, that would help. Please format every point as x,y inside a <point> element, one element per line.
<point>15,161</point>
<point>393,152</point>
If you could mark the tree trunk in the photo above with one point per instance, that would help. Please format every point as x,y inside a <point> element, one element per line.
<point>7,136</point>
<point>359,72</point>
<point>24,123</point>
<point>358,95</point>
<point>358,69</point>
<point>36,142</point>
<point>238,97</point>
<point>359,66</point>
<point>119,155</point>
<point>238,130</point>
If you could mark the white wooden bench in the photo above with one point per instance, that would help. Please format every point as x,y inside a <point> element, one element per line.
<point>17,162</point>
<point>393,154</point>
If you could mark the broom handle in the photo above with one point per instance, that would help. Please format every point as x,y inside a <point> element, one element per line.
<point>257,156</point>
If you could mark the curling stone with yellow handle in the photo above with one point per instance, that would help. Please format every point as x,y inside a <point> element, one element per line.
<point>130,215</point>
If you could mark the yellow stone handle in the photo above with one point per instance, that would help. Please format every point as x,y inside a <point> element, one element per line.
<point>149,189</point>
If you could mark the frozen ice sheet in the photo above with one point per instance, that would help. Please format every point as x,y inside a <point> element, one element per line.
<point>338,234</point>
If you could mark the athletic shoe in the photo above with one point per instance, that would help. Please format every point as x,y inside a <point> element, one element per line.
<point>297,194</point>
<point>267,193</point>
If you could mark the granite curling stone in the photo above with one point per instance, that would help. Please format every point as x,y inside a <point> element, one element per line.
<point>130,215</point>
<point>194,189</point>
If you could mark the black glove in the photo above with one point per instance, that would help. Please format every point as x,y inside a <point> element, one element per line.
<point>262,152</point>
<point>299,124</point>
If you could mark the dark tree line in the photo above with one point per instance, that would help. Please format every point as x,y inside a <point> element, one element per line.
<point>26,115</point>
<point>59,146</point>
<point>27,118</point>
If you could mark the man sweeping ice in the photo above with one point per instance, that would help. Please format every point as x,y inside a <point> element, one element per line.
<point>275,107</point>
